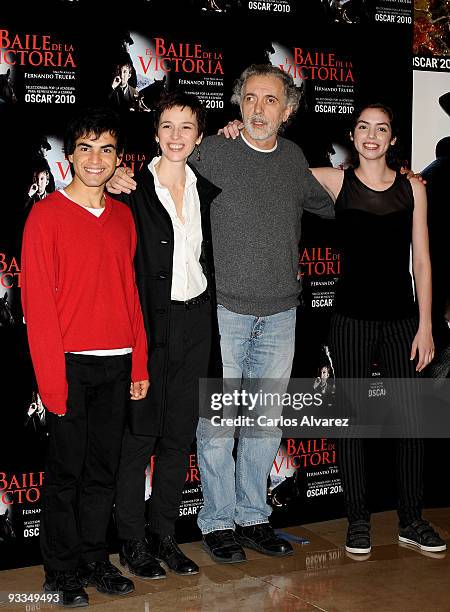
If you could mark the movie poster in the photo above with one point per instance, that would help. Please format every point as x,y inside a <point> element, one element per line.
<point>330,76</point>
<point>393,11</point>
<point>160,63</point>
<point>38,68</point>
<point>357,12</point>
<point>20,493</point>
<point>304,470</point>
<point>192,494</point>
<point>319,269</point>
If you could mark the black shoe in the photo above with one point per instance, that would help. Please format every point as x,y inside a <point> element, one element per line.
<point>67,584</point>
<point>263,539</point>
<point>358,538</point>
<point>138,558</point>
<point>166,550</point>
<point>422,535</point>
<point>105,577</point>
<point>222,546</point>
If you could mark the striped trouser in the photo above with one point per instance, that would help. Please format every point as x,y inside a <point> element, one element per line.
<point>354,344</point>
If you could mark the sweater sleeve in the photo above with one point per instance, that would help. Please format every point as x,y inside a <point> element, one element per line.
<point>139,370</point>
<point>39,292</point>
<point>205,163</point>
<point>315,199</point>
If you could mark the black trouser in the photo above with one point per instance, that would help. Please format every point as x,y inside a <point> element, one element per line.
<point>188,359</point>
<point>82,461</point>
<point>354,345</point>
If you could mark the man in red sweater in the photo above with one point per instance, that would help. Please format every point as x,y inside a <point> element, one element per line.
<point>87,343</point>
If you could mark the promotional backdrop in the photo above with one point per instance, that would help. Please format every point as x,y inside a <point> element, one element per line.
<point>54,60</point>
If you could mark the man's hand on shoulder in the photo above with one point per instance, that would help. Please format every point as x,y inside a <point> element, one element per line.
<point>232,129</point>
<point>121,181</point>
<point>411,174</point>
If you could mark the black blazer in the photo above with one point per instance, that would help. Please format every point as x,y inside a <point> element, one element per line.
<point>153,265</point>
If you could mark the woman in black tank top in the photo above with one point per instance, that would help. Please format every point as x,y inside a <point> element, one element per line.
<point>379,215</point>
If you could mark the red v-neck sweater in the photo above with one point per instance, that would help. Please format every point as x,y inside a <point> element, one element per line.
<point>78,289</point>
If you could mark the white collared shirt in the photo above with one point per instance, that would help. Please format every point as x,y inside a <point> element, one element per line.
<point>188,279</point>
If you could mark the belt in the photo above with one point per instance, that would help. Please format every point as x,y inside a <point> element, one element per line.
<point>193,302</point>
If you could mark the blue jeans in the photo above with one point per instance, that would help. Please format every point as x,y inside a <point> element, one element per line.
<point>252,347</point>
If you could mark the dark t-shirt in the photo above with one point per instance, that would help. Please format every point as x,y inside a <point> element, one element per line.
<point>375,233</point>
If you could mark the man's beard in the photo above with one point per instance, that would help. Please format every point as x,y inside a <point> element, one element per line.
<point>267,130</point>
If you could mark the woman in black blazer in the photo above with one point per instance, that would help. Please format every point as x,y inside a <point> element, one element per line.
<point>175,277</point>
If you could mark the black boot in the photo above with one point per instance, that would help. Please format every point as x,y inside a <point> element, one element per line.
<point>262,538</point>
<point>166,550</point>
<point>138,558</point>
<point>106,577</point>
<point>67,584</point>
<point>222,546</point>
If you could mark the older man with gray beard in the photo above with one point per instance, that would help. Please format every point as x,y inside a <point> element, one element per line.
<point>256,228</point>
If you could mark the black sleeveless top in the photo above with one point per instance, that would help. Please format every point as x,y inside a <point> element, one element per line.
<point>374,235</point>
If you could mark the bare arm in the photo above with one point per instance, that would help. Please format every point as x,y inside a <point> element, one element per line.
<point>331,180</point>
<point>423,341</point>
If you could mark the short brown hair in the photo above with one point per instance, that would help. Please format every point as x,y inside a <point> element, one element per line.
<point>182,99</point>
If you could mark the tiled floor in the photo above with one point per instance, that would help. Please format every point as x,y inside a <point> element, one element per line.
<point>320,576</point>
